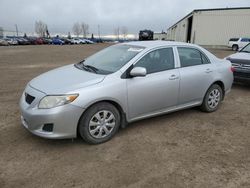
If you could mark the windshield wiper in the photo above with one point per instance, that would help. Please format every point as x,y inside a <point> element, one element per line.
<point>245,51</point>
<point>88,68</point>
<point>92,68</point>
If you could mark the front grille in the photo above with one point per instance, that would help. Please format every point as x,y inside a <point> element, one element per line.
<point>28,98</point>
<point>241,66</point>
<point>242,74</point>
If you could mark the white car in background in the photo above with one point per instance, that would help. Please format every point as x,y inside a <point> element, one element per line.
<point>11,41</point>
<point>82,41</point>
<point>89,41</point>
<point>238,43</point>
<point>76,41</point>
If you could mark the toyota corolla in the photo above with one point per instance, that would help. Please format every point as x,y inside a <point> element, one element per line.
<point>121,84</point>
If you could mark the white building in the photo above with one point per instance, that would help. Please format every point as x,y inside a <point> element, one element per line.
<point>160,36</point>
<point>212,27</point>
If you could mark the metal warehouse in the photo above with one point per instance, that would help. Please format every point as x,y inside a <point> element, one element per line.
<point>212,26</point>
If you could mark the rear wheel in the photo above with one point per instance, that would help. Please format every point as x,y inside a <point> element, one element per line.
<point>212,99</point>
<point>235,47</point>
<point>99,123</point>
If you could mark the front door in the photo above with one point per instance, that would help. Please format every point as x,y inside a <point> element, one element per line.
<point>159,89</point>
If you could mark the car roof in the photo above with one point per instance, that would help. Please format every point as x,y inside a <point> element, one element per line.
<point>158,43</point>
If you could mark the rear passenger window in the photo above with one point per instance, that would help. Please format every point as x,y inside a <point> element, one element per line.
<point>245,40</point>
<point>157,60</point>
<point>189,57</point>
<point>234,39</point>
<point>204,59</point>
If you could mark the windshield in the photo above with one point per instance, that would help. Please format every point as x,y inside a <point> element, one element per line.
<point>246,48</point>
<point>112,58</point>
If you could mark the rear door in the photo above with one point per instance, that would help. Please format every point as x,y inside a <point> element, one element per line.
<point>196,74</point>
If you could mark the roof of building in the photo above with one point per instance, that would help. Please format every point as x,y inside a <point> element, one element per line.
<point>203,10</point>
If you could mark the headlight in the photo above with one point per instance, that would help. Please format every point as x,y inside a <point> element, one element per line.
<point>52,101</point>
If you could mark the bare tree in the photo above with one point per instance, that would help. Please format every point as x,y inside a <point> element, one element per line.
<point>47,31</point>
<point>40,28</point>
<point>77,29</point>
<point>1,32</point>
<point>85,29</point>
<point>117,32</point>
<point>124,31</point>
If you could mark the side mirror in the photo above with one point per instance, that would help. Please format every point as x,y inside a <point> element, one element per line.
<point>138,72</point>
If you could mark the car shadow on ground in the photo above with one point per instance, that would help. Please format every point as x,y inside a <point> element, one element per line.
<point>131,128</point>
<point>242,86</point>
<point>161,120</point>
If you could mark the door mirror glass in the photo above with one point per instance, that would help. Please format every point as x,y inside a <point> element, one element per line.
<point>138,72</point>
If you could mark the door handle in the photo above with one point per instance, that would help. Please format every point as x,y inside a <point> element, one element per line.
<point>173,77</point>
<point>208,71</point>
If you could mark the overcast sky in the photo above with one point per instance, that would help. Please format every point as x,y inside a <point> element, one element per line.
<point>60,15</point>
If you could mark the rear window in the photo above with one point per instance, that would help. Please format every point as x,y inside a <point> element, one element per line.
<point>234,39</point>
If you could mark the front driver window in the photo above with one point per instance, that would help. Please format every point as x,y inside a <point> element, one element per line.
<point>157,60</point>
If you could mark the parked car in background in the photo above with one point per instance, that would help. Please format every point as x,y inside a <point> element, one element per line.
<point>32,40</point>
<point>3,42</point>
<point>23,41</point>
<point>238,43</point>
<point>83,41</point>
<point>38,41</point>
<point>11,41</point>
<point>241,64</point>
<point>79,41</point>
<point>57,41</point>
<point>123,83</point>
<point>89,41</point>
<point>47,40</point>
<point>67,41</point>
<point>146,35</point>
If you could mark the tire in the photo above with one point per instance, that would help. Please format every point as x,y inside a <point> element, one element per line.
<point>235,47</point>
<point>212,99</point>
<point>99,123</point>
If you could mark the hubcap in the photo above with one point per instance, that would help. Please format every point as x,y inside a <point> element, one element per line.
<point>214,98</point>
<point>102,124</point>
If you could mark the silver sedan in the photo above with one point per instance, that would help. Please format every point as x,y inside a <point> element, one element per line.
<point>121,84</point>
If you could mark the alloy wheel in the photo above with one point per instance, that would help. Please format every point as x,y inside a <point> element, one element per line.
<point>102,124</point>
<point>214,98</point>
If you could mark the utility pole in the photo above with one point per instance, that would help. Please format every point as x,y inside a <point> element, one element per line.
<point>16,30</point>
<point>118,32</point>
<point>99,31</point>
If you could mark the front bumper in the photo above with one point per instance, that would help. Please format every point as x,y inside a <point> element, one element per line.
<point>63,118</point>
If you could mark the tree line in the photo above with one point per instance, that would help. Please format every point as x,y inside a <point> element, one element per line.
<point>78,28</point>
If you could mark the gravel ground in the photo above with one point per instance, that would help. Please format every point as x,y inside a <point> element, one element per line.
<point>182,149</point>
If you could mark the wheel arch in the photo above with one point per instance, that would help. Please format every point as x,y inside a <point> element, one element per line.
<point>221,84</point>
<point>114,103</point>
<point>237,46</point>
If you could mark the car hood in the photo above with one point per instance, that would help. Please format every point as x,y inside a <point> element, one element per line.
<point>240,55</point>
<point>64,80</point>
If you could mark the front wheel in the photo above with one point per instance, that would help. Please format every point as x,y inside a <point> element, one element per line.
<point>99,123</point>
<point>212,99</point>
<point>235,47</point>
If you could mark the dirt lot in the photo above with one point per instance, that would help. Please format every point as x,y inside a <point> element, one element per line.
<point>183,149</point>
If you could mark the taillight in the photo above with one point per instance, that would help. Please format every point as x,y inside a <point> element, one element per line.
<point>232,69</point>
